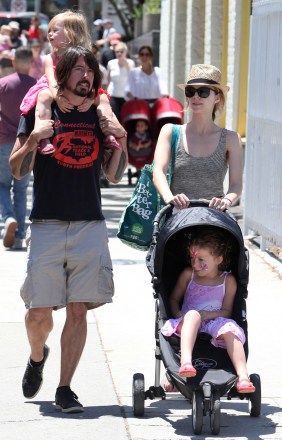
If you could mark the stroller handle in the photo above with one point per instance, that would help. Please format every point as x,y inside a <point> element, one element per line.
<point>168,210</point>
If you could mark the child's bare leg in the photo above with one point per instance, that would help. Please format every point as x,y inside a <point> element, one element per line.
<point>236,353</point>
<point>189,331</point>
<point>43,111</point>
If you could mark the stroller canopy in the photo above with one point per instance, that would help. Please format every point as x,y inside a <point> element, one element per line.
<point>168,256</point>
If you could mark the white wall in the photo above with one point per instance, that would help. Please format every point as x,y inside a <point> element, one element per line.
<point>263,186</point>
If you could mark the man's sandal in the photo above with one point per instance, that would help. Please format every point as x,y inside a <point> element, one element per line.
<point>245,386</point>
<point>187,370</point>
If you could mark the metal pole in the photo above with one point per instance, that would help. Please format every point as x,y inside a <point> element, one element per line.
<point>37,6</point>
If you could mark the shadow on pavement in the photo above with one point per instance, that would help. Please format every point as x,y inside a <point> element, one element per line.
<point>233,425</point>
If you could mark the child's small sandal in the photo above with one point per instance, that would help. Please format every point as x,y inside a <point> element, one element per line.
<point>245,386</point>
<point>187,370</point>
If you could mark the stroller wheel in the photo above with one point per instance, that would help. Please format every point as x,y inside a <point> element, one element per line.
<point>255,398</point>
<point>215,414</point>
<point>197,412</point>
<point>138,394</point>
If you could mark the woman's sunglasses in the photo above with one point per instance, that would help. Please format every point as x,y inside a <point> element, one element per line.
<point>144,54</point>
<point>203,92</point>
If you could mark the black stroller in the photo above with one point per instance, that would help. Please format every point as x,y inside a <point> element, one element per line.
<point>216,376</point>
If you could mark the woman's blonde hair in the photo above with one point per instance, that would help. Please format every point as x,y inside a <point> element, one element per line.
<point>75,28</point>
<point>219,106</point>
<point>121,46</point>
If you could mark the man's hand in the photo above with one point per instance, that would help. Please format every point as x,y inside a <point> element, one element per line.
<point>111,126</point>
<point>43,128</point>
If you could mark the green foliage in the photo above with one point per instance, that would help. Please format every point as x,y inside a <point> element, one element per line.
<point>152,6</point>
<point>137,12</point>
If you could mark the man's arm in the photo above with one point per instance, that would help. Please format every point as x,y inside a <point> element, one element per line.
<point>23,154</point>
<point>114,162</point>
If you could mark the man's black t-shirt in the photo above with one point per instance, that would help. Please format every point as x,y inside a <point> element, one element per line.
<point>66,183</point>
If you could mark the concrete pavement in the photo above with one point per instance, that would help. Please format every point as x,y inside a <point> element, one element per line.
<point>120,343</point>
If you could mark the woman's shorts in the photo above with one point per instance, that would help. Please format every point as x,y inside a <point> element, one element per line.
<point>67,261</point>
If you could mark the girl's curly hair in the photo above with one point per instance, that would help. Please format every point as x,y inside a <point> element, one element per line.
<point>217,241</point>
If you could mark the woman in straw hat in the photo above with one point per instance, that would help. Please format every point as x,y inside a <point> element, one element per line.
<point>204,151</point>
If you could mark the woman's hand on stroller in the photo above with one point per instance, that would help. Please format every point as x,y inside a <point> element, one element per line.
<point>180,201</point>
<point>220,203</point>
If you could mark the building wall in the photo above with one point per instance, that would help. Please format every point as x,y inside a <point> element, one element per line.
<point>211,32</point>
<point>263,187</point>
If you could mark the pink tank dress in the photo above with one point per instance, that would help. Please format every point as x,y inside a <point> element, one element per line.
<point>30,99</point>
<point>199,297</point>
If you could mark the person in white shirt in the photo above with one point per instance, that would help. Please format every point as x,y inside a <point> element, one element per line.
<point>118,71</point>
<point>145,81</point>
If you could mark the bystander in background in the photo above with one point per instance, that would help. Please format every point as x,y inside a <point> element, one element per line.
<point>12,90</point>
<point>109,52</point>
<point>118,70</point>
<point>37,65</point>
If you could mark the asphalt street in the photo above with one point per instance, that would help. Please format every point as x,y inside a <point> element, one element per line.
<point>120,343</point>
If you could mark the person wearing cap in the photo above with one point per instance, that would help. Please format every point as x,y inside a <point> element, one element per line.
<point>108,31</point>
<point>109,52</point>
<point>205,151</point>
<point>15,34</point>
<point>98,28</point>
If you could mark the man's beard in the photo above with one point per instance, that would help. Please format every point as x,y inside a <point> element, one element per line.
<point>81,90</point>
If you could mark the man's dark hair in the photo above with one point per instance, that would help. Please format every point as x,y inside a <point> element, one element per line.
<point>68,61</point>
<point>23,54</point>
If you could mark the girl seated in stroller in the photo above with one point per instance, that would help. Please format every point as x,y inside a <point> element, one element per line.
<point>202,301</point>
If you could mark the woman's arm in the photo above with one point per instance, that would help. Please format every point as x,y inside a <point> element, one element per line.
<point>114,162</point>
<point>109,73</point>
<point>235,161</point>
<point>162,160</point>
<point>234,154</point>
<point>130,86</point>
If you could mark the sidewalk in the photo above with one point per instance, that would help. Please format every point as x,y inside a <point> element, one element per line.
<point>120,343</point>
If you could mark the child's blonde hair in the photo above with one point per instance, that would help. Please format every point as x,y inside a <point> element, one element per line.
<point>75,28</point>
<point>5,28</point>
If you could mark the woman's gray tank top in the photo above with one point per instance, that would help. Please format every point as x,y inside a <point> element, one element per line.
<point>200,177</point>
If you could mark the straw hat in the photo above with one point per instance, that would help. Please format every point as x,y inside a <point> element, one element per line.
<point>204,75</point>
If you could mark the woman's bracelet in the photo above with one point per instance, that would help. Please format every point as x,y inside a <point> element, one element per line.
<point>123,136</point>
<point>226,198</point>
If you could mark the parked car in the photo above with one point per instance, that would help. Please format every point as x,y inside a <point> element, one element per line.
<point>24,19</point>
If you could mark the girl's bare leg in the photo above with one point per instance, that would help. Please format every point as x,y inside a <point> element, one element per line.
<point>236,353</point>
<point>43,111</point>
<point>189,331</point>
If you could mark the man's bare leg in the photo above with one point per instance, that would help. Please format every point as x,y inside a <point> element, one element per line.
<point>72,344</point>
<point>39,323</point>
